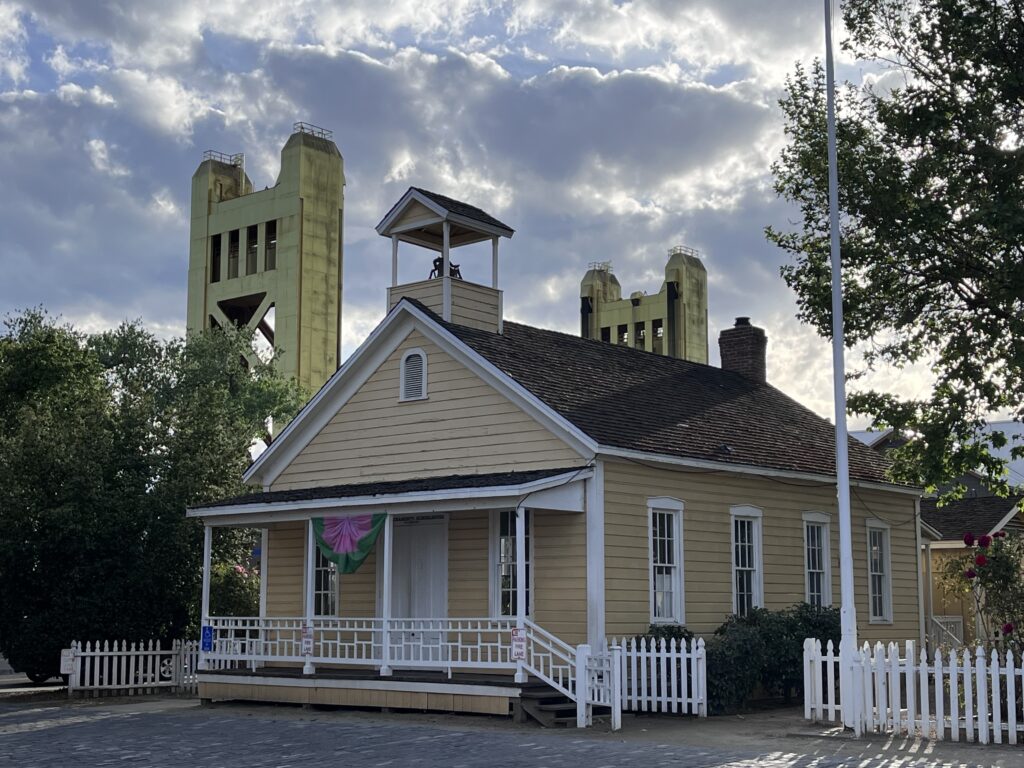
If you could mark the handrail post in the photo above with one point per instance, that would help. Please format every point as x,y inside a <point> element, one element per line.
<point>582,694</point>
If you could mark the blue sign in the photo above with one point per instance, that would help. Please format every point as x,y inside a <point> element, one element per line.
<point>206,644</point>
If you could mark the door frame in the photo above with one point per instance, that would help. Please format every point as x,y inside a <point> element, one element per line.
<point>379,589</point>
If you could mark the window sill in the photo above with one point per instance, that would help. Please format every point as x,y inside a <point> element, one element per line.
<point>670,622</point>
<point>412,399</point>
<point>879,621</point>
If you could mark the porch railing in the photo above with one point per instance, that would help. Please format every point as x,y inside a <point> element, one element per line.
<point>444,644</point>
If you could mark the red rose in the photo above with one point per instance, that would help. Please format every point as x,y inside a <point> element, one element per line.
<point>981,560</point>
<point>970,573</point>
<point>984,541</point>
<point>969,539</point>
<point>1000,534</point>
<point>1007,628</point>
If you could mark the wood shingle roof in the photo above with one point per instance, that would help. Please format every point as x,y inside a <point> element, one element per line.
<point>635,400</point>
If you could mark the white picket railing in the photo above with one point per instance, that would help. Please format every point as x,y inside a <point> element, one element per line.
<point>604,683</point>
<point>660,675</point>
<point>973,695</point>
<point>133,668</point>
<point>446,644</point>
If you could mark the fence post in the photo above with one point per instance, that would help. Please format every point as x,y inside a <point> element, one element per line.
<point>74,681</point>
<point>940,688</point>
<point>1011,697</point>
<point>855,706</point>
<point>582,694</point>
<point>997,700</point>
<point>702,674</point>
<point>982,685</point>
<point>616,692</point>
<point>808,681</point>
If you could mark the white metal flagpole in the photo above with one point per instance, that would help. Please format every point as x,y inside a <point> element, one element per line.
<point>848,611</point>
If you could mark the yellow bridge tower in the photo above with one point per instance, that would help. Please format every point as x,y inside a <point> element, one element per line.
<point>272,259</point>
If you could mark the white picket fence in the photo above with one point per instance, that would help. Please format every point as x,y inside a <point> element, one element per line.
<point>667,676</point>
<point>133,668</point>
<point>972,695</point>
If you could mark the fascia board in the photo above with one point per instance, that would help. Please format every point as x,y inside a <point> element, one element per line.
<point>315,415</point>
<point>605,451</point>
<point>576,438</point>
<point>466,221</point>
<point>455,499</point>
<point>1006,518</point>
<point>396,211</point>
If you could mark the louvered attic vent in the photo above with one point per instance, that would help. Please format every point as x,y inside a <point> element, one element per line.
<point>414,375</point>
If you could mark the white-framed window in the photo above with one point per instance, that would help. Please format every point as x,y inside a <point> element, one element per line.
<point>747,565</point>
<point>413,375</point>
<point>817,559</point>
<point>504,595</point>
<point>665,534</point>
<point>879,573</point>
<point>325,585</point>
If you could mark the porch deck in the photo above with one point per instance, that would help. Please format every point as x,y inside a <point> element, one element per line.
<point>469,692</point>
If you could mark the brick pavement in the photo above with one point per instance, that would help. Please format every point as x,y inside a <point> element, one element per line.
<point>165,733</point>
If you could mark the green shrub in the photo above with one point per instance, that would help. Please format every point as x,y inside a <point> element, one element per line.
<point>764,649</point>
<point>668,632</point>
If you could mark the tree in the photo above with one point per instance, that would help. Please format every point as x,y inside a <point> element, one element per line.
<point>104,442</point>
<point>931,174</point>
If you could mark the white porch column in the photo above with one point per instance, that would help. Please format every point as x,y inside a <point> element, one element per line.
<point>385,598</point>
<point>308,668</point>
<point>394,260</point>
<point>446,280</point>
<point>924,624</point>
<point>521,582</point>
<point>205,609</point>
<point>494,262</point>
<point>264,561</point>
<point>595,557</point>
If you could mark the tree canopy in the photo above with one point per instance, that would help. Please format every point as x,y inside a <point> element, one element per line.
<point>931,180</point>
<point>105,439</point>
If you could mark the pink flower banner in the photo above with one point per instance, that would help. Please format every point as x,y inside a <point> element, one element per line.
<point>346,541</point>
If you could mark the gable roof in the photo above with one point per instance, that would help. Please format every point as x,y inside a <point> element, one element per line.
<point>641,401</point>
<point>600,397</point>
<point>977,515</point>
<point>452,205</point>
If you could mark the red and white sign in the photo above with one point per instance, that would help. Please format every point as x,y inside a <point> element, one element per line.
<point>307,640</point>
<point>67,661</point>
<point>518,644</point>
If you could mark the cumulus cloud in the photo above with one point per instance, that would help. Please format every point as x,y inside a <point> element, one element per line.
<point>599,130</point>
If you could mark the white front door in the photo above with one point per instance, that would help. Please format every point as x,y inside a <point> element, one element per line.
<point>419,586</point>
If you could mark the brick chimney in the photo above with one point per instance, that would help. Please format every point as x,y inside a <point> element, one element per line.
<point>742,349</point>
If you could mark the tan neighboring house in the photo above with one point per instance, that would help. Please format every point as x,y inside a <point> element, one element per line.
<point>534,492</point>
<point>950,615</point>
<point>954,619</point>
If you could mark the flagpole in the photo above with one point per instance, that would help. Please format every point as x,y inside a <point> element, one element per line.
<point>848,611</point>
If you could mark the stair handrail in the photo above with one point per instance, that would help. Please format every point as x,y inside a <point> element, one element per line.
<point>551,646</point>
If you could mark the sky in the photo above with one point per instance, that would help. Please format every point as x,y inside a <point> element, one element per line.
<point>599,130</point>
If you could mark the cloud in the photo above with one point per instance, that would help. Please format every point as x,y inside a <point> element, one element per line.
<point>13,37</point>
<point>599,130</point>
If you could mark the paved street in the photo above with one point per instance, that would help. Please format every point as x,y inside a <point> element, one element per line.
<point>164,733</point>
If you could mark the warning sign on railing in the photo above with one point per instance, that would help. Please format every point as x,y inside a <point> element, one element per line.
<point>518,644</point>
<point>307,640</point>
<point>67,661</point>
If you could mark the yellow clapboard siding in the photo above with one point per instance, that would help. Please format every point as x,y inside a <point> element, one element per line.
<point>463,427</point>
<point>286,546</point>
<point>560,574</point>
<point>707,541</point>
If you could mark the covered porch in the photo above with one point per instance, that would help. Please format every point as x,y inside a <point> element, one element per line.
<point>453,592</point>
